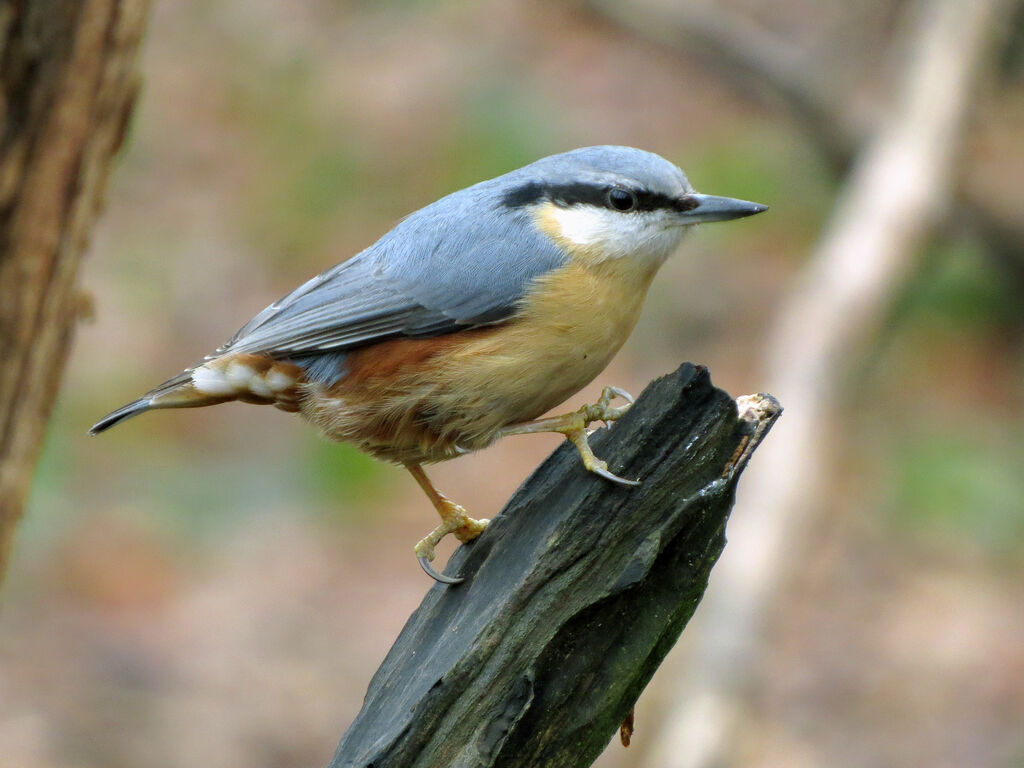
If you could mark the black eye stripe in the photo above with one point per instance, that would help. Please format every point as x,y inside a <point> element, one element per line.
<point>567,195</point>
<point>655,201</point>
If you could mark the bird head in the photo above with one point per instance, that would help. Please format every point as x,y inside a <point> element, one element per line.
<point>611,202</point>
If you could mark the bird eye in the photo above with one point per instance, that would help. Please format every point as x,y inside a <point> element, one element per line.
<point>621,199</point>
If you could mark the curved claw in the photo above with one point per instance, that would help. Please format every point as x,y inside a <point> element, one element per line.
<point>620,392</point>
<point>608,475</point>
<point>602,410</point>
<point>429,570</point>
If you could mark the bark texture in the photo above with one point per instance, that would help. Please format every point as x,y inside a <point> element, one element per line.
<point>68,81</point>
<point>572,598</point>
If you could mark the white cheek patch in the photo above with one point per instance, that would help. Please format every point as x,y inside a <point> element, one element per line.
<point>583,224</point>
<point>644,235</point>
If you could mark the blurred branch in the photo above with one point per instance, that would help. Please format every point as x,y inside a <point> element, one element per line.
<point>756,63</point>
<point>66,92</point>
<point>896,191</point>
<point>763,67</point>
<point>573,595</point>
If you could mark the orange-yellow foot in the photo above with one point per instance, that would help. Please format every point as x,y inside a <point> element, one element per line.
<point>574,427</point>
<point>453,520</point>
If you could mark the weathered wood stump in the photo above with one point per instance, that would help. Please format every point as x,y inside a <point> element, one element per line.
<point>572,597</point>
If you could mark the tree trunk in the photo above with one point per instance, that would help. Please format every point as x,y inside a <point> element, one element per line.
<point>572,596</point>
<point>68,78</point>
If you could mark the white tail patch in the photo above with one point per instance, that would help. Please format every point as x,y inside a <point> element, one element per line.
<point>239,375</point>
<point>258,386</point>
<point>278,381</point>
<point>225,378</point>
<point>210,381</point>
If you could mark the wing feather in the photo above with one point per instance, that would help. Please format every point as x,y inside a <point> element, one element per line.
<point>458,263</point>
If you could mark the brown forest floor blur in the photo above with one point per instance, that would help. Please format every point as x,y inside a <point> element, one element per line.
<point>216,587</point>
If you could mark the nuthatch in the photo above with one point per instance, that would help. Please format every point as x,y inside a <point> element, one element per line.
<point>467,321</point>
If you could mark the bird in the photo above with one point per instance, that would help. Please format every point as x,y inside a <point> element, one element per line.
<point>468,321</point>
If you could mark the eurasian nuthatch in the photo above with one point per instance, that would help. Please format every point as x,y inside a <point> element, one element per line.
<point>468,321</point>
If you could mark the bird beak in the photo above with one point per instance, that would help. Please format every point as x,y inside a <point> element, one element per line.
<point>707,208</point>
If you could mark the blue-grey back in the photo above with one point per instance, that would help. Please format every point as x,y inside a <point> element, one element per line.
<point>462,261</point>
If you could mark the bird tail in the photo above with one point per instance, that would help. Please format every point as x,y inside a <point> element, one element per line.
<point>176,392</point>
<point>250,378</point>
<point>133,408</point>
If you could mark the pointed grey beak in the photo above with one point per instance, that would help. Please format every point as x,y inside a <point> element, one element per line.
<point>707,208</point>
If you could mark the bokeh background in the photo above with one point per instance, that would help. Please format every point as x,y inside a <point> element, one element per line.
<point>215,587</point>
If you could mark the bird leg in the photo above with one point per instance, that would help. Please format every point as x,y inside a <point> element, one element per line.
<point>574,427</point>
<point>453,520</point>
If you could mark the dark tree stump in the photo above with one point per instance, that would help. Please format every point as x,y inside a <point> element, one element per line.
<point>572,598</point>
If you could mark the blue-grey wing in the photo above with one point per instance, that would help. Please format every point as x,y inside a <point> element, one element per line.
<point>461,262</point>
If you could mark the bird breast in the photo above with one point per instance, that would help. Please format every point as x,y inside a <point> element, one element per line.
<point>431,399</point>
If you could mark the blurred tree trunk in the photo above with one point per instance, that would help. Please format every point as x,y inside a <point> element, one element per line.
<point>68,81</point>
<point>902,178</point>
